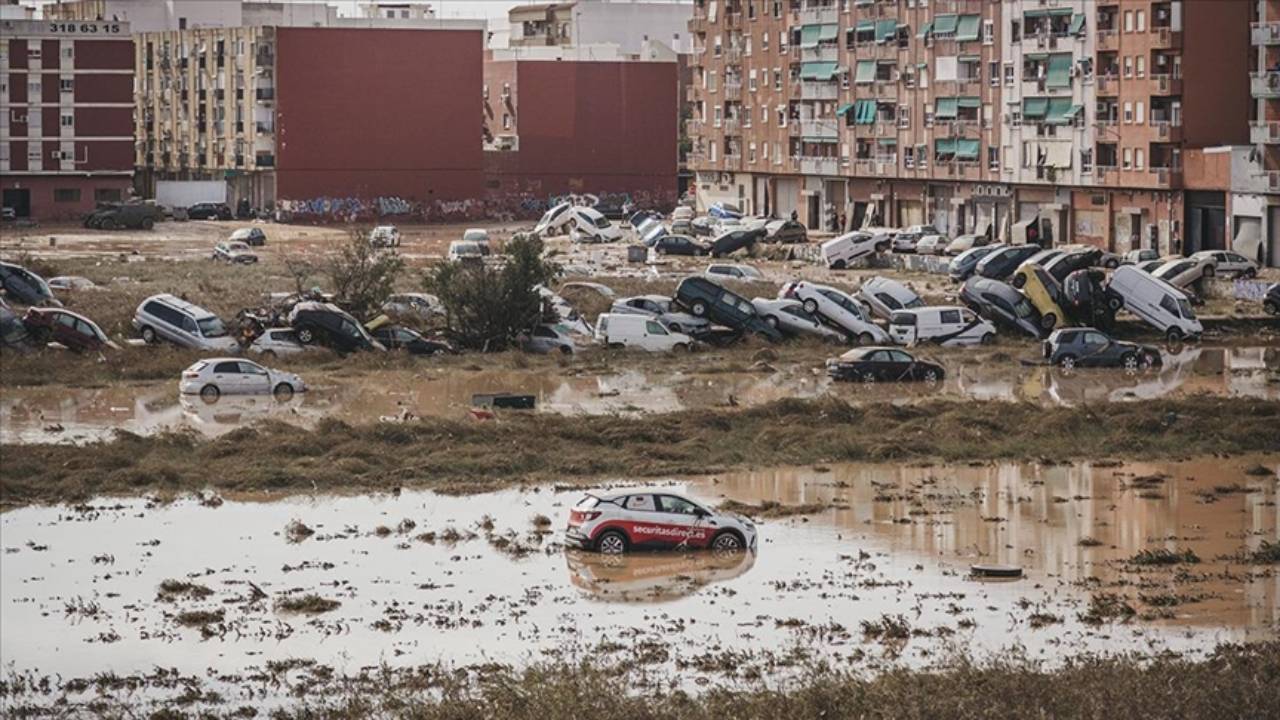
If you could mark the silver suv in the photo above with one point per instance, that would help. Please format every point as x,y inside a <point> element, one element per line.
<point>165,317</point>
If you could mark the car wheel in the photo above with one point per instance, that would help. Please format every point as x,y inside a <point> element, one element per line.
<point>675,327</point>
<point>811,306</point>
<point>1271,308</point>
<point>612,542</point>
<point>1048,321</point>
<point>727,541</point>
<point>107,224</point>
<point>1067,362</point>
<point>149,335</point>
<point>1173,335</point>
<point>1111,264</point>
<point>680,348</point>
<point>865,339</point>
<point>306,336</point>
<point>838,265</point>
<point>1130,363</point>
<point>1114,303</point>
<point>868,378</point>
<point>1148,360</point>
<point>209,393</point>
<point>283,391</point>
<point>268,354</point>
<point>148,223</point>
<point>1018,281</point>
<point>988,338</point>
<point>882,247</point>
<point>1250,273</point>
<point>931,376</point>
<point>772,321</point>
<point>1210,271</point>
<point>699,308</point>
<point>566,350</point>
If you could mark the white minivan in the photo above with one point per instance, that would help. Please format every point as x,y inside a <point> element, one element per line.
<point>1158,303</point>
<point>839,252</point>
<point>640,332</point>
<point>944,325</point>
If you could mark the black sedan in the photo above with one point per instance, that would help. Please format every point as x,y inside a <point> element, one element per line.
<point>395,337</point>
<point>735,240</point>
<point>883,364</point>
<point>679,245</point>
<point>209,211</point>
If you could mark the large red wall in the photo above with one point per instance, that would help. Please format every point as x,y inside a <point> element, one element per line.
<point>378,113</point>
<point>596,127</point>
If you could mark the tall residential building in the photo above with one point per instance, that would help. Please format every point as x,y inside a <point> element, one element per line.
<point>629,24</point>
<point>1072,116</point>
<point>66,116</point>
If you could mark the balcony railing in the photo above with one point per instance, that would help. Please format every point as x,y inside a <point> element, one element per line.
<point>819,165</point>
<point>1167,84</point>
<point>820,15</point>
<point>819,128</point>
<point>733,90</point>
<point>821,53</point>
<point>1262,131</point>
<point>1266,33</point>
<point>1166,37</point>
<point>1266,84</point>
<point>817,90</point>
<point>1108,84</point>
<point>1273,179</point>
<point>1167,176</point>
<point>732,126</point>
<point>1108,39</point>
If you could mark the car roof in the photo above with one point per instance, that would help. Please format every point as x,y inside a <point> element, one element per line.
<point>226,359</point>
<point>180,304</point>
<point>616,494</point>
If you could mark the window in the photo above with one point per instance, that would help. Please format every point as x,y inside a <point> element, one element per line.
<point>751,152</point>
<point>1142,66</point>
<point>993,74</point>
<point>106,195</point>
<point>678,506</point>
<point>988,32</point>
<point>1142,20</point>
<point>1128,66</point>
<point>1008,74</point>
<point>751,80</point>
<point>1139,159</point>
<point>782,42</point>
<point>654,328</point>
<point>1128,112</point>
<point>506,121</point>
<point>68,120</point>
<point>66,85</point>
<point>232,368</point>
<point>777,79</point>
<point>639,502</point>
<point>1128,159</point>
<point>950,316</point>
<point>1139,116</point>
<point>249,368</point>
<point>66,195</point>
<point>1128,21</point>
<point>782,116</point>
<point>764,41</point>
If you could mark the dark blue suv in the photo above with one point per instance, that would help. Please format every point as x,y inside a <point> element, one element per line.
<point>706,299</point>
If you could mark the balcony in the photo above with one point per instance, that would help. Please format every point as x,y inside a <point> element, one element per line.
<point>821,53</point>
<point>1108,39</point>
<point>1166,176</point>
<point>732,161</point>
<point>829,14</point>
<point>818,90</point>
<point>1273,179</point>
<point>691,94</point>
<point>732,90</point>
<point>732,55</point>
<point>1266,33</point>
<point>1108,84</point>
<point>1166,37</point>
<point>819,128</point>
<point>1166,85</point>
<point>1266,84</point>
<point>1263,132</point>
<point>264,128</point>
<point>819,165</point>
<point>1167,131</point>
<point>265,94</point>
<point>732,126</point>
<point>887,89</point>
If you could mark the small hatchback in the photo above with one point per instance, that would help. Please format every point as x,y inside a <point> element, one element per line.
<point>614,523</point>
<point>234,252</point>
<point>1070,348</point>
<point>215,377</point>
<point>72,330</point>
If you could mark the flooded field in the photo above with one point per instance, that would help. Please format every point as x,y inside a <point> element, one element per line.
<point>1138,556</point>
<point>47,414</point>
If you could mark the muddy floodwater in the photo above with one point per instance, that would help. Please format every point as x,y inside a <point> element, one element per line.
<point>46,414</point>
<point>419,577</point>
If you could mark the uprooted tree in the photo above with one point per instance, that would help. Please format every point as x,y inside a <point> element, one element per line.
<point>360,275</point>
<point>488,307</point>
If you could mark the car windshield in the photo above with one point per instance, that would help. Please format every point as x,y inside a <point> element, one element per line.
<point>602,222</point>
<point>239,246</point>
<point>466,249</point>
<point>212,327</point>
<point>918,302</point>
<point>1184,307</point>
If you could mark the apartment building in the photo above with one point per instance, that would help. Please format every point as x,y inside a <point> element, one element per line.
<point>625,23</point>
<point>1072,116</point>
<point>252,105</point>
<point>66,116</point>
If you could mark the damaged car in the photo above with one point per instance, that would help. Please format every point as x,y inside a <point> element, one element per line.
<point>948,326</point>
<point>1001,263</point>
<point>785,232</point>
<point>1070,348</point>
<point>706,299</point>
<point>71,330</point>
<point>791,318</point>
<point>660,307</point>
<point>1002,304</point>
<point>966,263</point>
<point>172,319</point>
<point>327,324</point>
<point>641,333</point>
<point>618,522</point>
<point>837,309</point>
<point>1088,299</point>
<point>13,334</point>
<point>735,240</point>
<point>883,364</point>
<point>680,245</point>
<point>236,253</point>
<point>394,337</point>
<point>25,287</point>
<point>840,252</point>
<point>885,296</point>
<point>215,377</point>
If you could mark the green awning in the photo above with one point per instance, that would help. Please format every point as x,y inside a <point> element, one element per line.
<point>1051,12</point>
<point>865,26</point>
<point>829,32</point>
<point>943,146</point>
<point>970,102</point>
<point>886,29</point>
<point>1038,57</point>
<point>887,141</point>
<point>967,149</point>
<point>1077,24</point>
<point>1034,107</point>
<point>819,139</point>
<point>925,30</point>
<point>945,24</point>
<point>967,28</point>
<point>1059,12</point>
<point>809,35</point>
<point>865,72</point>
<point>969,58</point>
<point>862,3</point>
<point>865,114</point>
<point>922,65</point>
<point>946,108</point>
<point>1059,70</point>
<point>818,70</point>
<point>844,109</point>
<point>1059,111</point>
<point>1035,14</point>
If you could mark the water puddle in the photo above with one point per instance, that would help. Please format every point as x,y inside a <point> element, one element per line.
<point>45,414</point>
<point>419,577</point>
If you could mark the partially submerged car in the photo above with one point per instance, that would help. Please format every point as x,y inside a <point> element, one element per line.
<point>1133,257</point>
<point>730,271</point>
<point>1186,272</point>
<point>214,377</point>
<point>1155,301</point>
<point>944,325</point>
<point>464,251</point>
<point>725,211</point>
<point>420,306</point>
<point>1002,304</point>
<point>639,332</point>
<point>967,242</point>
<point>251,236</point>
<point>680,245</point>
<point>735,240</point>
<point>395,337</point>
<point>277,341</point>
<point>589,226</point>
<point>840,252</point>
<point>1068,262</point>
<point>234,252</point>
<point>71,283</point>
<point>791,318</point>
<point>883,364</point>
<point>209,211</point>
<point>1069,348</point>
<point>905,240</point>
<point>1271,301</point>
<point>25,287</point>
<point>135,216</point>
<point>932,244</point>
<point>617,522</point>
<point>1088,300</point>
<point>169,318</point>
<point>838,309</point>
<point>71,330</point>
<point>329,325</point>
<point>885,297</point>
<point>660,307</point>
<point>13,334</point>
<point>550,338</point>
<point>785,232</point>
<point>706,299</point>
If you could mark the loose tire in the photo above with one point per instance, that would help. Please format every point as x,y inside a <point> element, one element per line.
<point>699,308</point>
<point>727,541</point>
<point>149,335</point>
<point>283,391</point>
<point>210,393</point>
<point>612,542</point>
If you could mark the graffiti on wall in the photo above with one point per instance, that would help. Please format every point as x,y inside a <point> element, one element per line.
<point>502,206</point>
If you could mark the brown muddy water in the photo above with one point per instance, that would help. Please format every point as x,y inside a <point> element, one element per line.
<point>421,577</point>
<point>45,414</point>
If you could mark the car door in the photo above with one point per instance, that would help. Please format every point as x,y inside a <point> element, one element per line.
<point>227,377</point>
<point>64,330</point>
<point>1093,347</point>
<point>639,520</point>
<point>900,366</point>
<point>656,336</point>
<point>254,378</point>
<point>85,336</point>
<point>949,327</point>
<point>685,523</point>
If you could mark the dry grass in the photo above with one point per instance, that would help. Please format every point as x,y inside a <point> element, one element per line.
<point>467,456</point>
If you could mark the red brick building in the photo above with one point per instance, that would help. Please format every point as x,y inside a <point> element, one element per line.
<point>66,116</point>
<point>557,127</point>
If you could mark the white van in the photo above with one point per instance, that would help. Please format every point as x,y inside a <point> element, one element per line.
<point>479,236</point>
<point>462,250</point>
<point>839,252</point>
<point>638,331</point>
<point>945,325</point>
<point>1158,303</point>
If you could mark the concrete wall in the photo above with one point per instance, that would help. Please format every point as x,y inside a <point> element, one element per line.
<point>390,113</point>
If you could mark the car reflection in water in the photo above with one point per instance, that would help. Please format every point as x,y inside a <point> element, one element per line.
<point>653,577</point>
<point>232,411</point>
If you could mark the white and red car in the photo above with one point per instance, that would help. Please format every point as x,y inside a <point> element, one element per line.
<point>653,519</point>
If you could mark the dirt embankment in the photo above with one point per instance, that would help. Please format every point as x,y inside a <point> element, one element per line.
<point>467,456</point>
